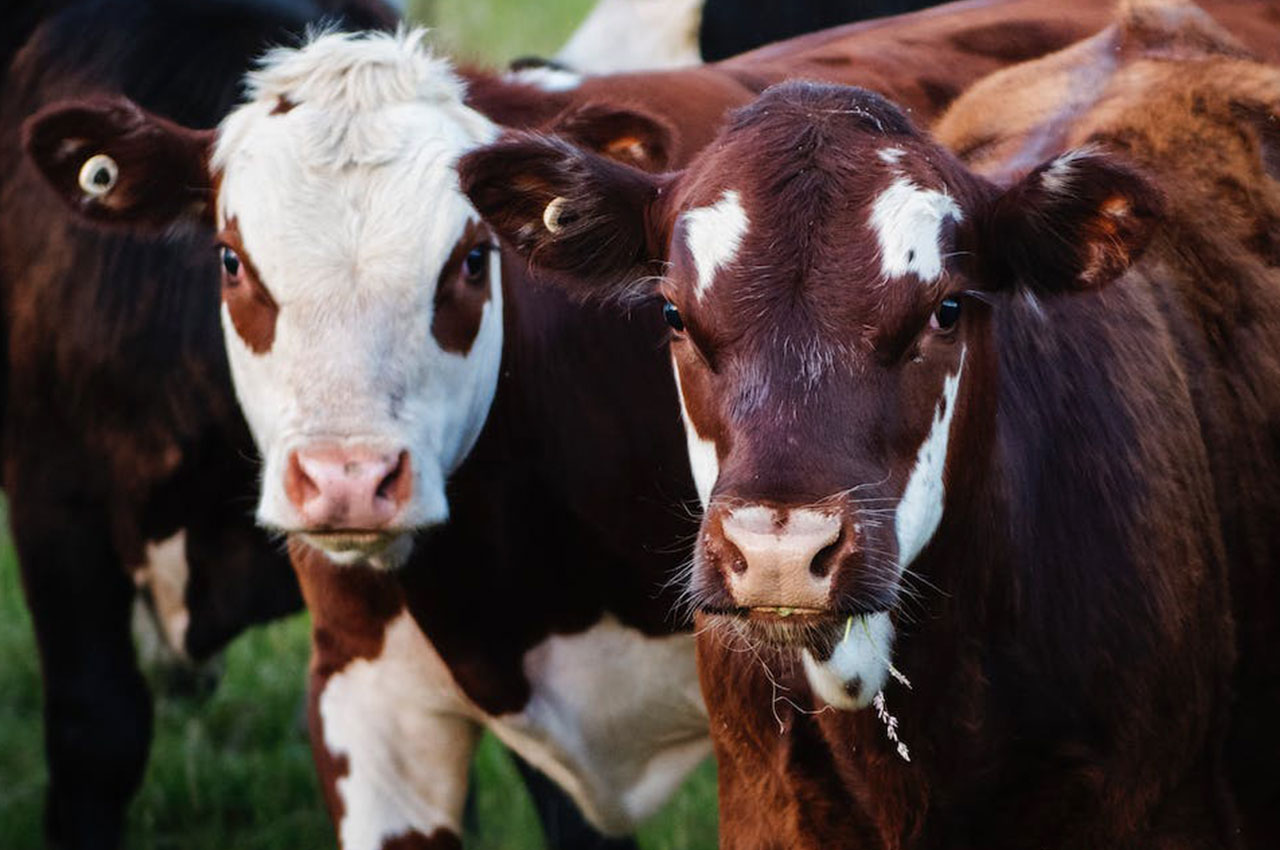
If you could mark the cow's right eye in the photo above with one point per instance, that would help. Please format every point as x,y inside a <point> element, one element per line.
<point>672,315</point>
<point>230,262</point>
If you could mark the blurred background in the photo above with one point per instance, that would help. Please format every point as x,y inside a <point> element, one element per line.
<point>232,769</point>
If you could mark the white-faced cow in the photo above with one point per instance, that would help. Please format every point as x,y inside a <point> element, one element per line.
<point>1014,442</point>
<point>397,372</point>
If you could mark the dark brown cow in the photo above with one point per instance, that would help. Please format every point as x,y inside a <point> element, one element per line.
<point>991,470</point>
<point>536,610</point>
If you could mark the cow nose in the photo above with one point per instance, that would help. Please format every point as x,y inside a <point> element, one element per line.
<point>778,560</point>
<point>347,488</point>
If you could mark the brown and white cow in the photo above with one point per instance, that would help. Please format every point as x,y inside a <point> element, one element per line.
<point>994,461</point>
<point>390,376</point>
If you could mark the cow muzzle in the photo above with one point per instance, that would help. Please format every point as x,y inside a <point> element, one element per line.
<point>349,499</point>
<point>776,562</point>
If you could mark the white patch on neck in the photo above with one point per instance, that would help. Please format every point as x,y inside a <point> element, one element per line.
<point>165,575</point>
<point>396,720</point>
<point>920,509</point>
<point>908,221</point>
<point>714,235</point>
<point>546,78</point>
<point>859,666</point>
<point>890,155</point>
<point>703,460</point>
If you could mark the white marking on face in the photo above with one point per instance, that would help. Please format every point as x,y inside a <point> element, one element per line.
<point>714,235</point>
<point>635,35</point>
<point>920,510</point>
<point>890,155</point>
<point>349,208</point>
<point>908,223</point>
<point>704,462</point>
<point>546,78</point>
<point>859,666</point>
<point>401,724</point>
<point>616,718</point>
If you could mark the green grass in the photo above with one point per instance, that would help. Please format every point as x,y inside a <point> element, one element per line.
<point>233,771</point>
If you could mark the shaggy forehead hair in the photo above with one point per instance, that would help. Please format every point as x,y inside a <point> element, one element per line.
<point>350,85</point>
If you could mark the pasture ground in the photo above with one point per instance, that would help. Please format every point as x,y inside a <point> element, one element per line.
<point>233,770</point>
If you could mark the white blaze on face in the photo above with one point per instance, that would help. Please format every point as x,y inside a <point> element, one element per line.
<point>858,667</point>
<point>908,221</point>
<point>703,460</point>
<point>713,235</point>
<point>348,204</point>
<point>920,510</point>
<point>401,724</point>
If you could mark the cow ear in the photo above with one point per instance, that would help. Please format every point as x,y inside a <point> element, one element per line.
<point>1076,222</point>
<point>114,163</point>
<point>579,219</point>
<point>626,135</point>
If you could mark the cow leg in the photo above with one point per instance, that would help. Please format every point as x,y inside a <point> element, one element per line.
<point>97,710</point>
<point>562,821</point>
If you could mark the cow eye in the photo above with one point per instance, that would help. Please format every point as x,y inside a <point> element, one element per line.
<point>230,262</point>
<point>476,262</point>
<point>672,315</point>
<point>947,314</point>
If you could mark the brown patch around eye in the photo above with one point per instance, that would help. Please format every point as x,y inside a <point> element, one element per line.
<point>252,309</point>
<point>460,299</point>
<point>283,106</point>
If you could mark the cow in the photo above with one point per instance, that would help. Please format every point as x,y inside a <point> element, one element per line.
<point>484,482</point>
<point>988,457</point>
<point>637,35</point>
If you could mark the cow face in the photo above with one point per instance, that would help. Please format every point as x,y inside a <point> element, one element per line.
<point>828,274</point>
<point>361,297</point>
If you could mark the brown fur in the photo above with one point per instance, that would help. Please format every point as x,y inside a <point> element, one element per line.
<point>460,299</point>
<point>1111,480</point>
<point>249,303</point>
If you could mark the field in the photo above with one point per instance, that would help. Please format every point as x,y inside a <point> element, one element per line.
<point>232,771</point>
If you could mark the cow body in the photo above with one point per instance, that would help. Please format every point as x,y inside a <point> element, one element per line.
<point>564,498</point>
<point>988,468</point>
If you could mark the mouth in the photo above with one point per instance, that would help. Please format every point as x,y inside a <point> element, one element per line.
<point>815,629</point>
<point>350,545</point>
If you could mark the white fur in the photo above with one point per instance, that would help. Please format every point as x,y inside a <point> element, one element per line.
<point>547,79</point>
<point>407,735</point>
<point>861,657</point>
<point>165,574</point>
<point>704,462</point>
<point>890,155</point>
<point>615,717</point>
<point>1057,178</point>
<point>714,235</point>
<point>635,35</point>
<point>349,206</point>
<point>907,221</point>
<point>920,510</point>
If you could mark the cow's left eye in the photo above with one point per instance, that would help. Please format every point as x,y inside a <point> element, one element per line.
<point>230,262</point>
<point>672,315</point>
<point>947,314</point>
<point>476,262</point>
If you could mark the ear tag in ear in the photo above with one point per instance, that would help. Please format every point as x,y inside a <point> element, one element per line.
<point>98,175</point>
<point>551,215</point>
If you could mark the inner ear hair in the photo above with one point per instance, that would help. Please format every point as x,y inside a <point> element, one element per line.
<point>1076,222</point>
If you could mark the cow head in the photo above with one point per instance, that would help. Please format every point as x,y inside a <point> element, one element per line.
<point>828,273</point>
<point>361,292</point>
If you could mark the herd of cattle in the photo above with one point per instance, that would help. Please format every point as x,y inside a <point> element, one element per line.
<point>893,410</point>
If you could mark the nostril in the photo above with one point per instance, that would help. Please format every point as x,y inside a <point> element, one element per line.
<point>298,485</point>
<point>396,486</point>
<point>833,553</point>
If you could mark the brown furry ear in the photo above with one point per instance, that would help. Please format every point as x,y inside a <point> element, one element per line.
<point>626,135</point>
<point>580,219</point>
<point>1076,222</point>
<point>113,162</point>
